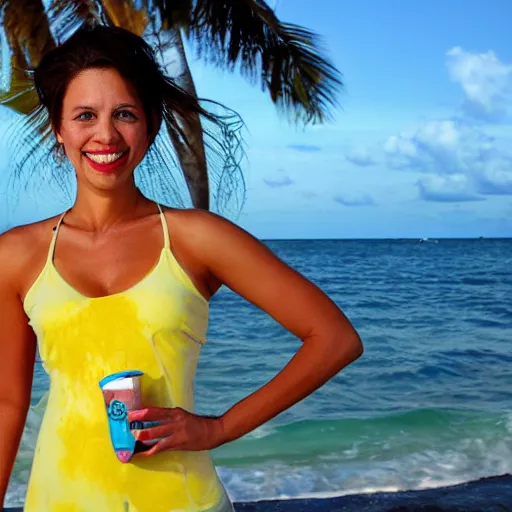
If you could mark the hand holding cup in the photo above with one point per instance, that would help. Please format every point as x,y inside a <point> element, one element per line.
<point>178,429</point>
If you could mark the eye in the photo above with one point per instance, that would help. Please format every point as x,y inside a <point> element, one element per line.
<point>126,115</point>
<point>84,116</point>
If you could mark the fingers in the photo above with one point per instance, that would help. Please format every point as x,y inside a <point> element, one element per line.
<point>151,434</point>
<point>151,414</point>
<point>158,447</point>
<point>177,430</point>
<point>159,433</point>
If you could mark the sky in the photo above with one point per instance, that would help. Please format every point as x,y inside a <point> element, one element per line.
<point>420,147</point>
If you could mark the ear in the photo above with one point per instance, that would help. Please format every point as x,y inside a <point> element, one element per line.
<point>57,134</point>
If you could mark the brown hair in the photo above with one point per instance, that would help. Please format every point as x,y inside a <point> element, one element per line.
<point>99,46</point>
<point>112,47</point>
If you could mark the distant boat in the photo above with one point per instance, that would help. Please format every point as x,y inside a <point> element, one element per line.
<point>428,240</point>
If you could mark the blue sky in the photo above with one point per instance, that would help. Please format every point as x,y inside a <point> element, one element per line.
<point>421,146</point>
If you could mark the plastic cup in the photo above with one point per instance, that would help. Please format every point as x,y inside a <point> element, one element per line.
<point>122,393</point>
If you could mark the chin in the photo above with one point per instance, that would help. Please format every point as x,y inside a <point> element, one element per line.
<point>106,181</point>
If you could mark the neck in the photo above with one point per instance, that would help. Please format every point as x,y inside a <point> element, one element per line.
<point>99,211</point>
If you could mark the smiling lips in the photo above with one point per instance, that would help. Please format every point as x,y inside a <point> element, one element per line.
<point>106,161</point>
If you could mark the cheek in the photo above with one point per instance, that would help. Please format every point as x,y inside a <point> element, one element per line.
<point>137,138</point>
<point>73,139</point>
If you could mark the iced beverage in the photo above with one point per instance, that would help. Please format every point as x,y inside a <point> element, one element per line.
<point>122,393</point>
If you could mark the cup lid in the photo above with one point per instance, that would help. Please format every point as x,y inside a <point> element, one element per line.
<point>120,375</point>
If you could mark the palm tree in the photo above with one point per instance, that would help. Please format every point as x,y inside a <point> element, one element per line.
<point>237,35</point>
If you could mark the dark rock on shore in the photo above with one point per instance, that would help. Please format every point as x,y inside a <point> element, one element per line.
<point>493,494</point>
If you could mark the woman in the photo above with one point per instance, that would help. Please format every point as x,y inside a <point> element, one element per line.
<point>117,282</point>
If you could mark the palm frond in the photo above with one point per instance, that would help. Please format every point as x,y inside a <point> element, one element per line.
<point>28,36</point>
<point>21,97</point>
<point>66,16</point>
<point>246,35</point>
<point>205,146</point>
<point>207,142</point>
<point>31,30</point>
<point>218,185</point>
<point>173,13</point>
<point>27,28</point>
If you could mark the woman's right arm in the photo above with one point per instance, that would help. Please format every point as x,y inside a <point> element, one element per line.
<point>17,355</point>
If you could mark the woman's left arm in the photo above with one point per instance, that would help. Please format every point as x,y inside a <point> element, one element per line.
<point>330,343</point>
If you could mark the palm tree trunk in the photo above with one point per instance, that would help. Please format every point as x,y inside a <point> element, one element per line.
<point>125,15</point>
<point>192,155</point>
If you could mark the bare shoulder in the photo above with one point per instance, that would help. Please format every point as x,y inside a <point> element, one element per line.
<point>194,226</point>
<point>15,242</point>
<point>211,239</point>
<point>246,265</point>
<point>223,247</point>
<point>201,240</point>
<point>22,246</point>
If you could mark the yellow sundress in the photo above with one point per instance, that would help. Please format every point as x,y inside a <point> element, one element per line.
<point>157,326</point>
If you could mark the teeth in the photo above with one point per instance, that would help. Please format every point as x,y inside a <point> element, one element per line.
<point>104,159</point>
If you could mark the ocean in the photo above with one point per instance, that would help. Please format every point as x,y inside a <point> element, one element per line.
<point>428,404</point>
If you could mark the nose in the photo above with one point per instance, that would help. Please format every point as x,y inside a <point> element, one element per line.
<point>106,131</point>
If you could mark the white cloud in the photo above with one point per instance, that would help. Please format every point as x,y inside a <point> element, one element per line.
<point>285,181</point>
<point>360,156</point>
<point>459,160</point>
<point>452,188</point>
<point>279,180</point>
<point>354,200</point>
<point>487,82</point>
<point>449,148</point>
<point>443,147</point>
<point>496,177</point>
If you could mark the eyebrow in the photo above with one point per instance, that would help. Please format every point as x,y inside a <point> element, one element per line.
<point>122,105</point>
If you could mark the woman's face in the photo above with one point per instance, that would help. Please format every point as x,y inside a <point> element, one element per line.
<point>103,128</point>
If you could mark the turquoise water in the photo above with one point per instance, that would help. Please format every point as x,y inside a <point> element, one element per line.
<point>428,403</point>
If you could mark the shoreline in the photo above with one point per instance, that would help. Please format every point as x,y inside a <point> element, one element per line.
<point>489,494</point>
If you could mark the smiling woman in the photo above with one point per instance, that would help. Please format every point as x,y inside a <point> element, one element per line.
<point>102,128</point>
<point>168,110</point>
<point>119,283</point>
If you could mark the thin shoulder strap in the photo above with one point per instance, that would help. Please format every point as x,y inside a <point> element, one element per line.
<point>51,250</point>
<point>164,227</point>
